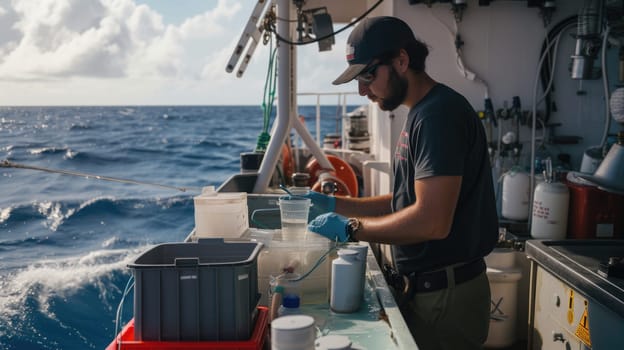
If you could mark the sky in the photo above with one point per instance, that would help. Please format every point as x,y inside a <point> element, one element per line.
<point>142,52</point>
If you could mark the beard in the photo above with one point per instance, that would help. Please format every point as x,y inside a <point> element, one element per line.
<point>397,90</point>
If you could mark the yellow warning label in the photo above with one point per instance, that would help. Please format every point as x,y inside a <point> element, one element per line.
<point>571,307</point>
<point>582,330</point>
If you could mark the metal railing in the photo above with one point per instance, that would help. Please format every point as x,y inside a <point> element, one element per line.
<point>342,103</point>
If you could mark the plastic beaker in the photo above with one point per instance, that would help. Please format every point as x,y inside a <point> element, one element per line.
<point>294,212</point>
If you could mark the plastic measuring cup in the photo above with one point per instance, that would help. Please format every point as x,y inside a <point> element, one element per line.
<point>294,212</point>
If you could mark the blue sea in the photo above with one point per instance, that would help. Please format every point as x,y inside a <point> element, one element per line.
<point>65,241</point>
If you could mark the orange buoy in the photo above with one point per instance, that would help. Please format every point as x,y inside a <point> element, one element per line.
<point>288,164</point>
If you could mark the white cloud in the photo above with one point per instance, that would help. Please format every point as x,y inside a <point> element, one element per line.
<point>107,38</point>
<point>120,52</point>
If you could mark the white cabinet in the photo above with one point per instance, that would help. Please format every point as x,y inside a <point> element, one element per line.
<point>560,315</point>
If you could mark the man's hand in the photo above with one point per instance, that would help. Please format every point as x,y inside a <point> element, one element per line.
<point>321,203</point>
<point>330,225</point>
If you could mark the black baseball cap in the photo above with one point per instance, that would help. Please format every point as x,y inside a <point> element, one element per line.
<point>370,39</point>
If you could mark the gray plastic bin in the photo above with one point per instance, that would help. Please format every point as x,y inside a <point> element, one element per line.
<point>205,290</point>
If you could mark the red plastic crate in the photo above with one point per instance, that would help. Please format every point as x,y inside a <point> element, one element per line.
<point>258,337</point>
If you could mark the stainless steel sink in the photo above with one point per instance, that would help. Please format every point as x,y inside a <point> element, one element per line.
<point>578,262</point>
<point>588,254</point>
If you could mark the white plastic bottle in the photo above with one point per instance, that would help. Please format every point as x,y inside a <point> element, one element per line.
<point>346,284</point>
<point>290,306</point>
<point>550,208</point>
<point>516,193</point>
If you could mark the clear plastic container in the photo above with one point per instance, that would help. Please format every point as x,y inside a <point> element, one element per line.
<point>294,212</point>
<point>297,256</point>
<point>220,214</point>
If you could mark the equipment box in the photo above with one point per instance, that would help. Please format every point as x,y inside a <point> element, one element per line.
<point>204,290</point>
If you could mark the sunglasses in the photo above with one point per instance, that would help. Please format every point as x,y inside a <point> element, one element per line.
<point>368,74</point>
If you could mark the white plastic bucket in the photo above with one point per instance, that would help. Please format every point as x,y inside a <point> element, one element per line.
<point>295,332</point>
<point>220,214</point>
<point>503,277</point>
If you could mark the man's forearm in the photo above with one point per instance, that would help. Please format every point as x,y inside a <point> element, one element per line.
<point>364,206</point>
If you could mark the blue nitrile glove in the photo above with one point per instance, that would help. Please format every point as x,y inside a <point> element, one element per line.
<point>321,203</point>
<point>330,225</point>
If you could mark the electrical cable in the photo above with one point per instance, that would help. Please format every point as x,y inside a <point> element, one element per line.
<point>127,290</point>
<point>544,54</point>
<point>282,39</point>
<point>605,86</point>
<point>549,84</point>
<point>545,73</point>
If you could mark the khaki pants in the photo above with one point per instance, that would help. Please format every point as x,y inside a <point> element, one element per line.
<point>455,318</point>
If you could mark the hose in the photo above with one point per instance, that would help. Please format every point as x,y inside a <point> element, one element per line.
<point>548,69</point>
<point>268,99</point>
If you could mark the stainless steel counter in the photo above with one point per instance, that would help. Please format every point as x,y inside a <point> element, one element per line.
<point>577,262</point>
<point>571,303</point>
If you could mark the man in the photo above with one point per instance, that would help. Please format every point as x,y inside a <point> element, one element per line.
<point>441,217</point>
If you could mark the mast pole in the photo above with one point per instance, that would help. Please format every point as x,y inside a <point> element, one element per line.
<point>284,87</point>
<point>286,106</point>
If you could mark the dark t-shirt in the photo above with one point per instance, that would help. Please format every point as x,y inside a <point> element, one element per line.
<point>443,136</point>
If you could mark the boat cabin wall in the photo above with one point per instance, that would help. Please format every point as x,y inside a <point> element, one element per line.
<point>501,45</point>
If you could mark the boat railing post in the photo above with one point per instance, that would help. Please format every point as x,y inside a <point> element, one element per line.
<point>318,119</point>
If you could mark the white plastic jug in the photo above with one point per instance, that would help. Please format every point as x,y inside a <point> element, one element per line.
<point>346,284</point>
<point>550,211</point>
<point>516,194</point>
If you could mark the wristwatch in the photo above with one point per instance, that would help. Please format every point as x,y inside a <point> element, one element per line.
<point>353,225</point>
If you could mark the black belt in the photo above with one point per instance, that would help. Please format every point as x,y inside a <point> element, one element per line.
<point>419,282</point>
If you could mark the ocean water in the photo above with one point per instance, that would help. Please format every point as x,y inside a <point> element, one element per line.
<point>65,241</point>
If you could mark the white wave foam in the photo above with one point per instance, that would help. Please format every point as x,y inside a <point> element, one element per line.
<point>5,214</point>
<point>36,151</point>
<point>95,200</point>
<point>60,278</point>
<point>168,202</point>
<point>127,111</point>
<point>69,154</point>
<point>53,211</point>
<point>54,214</point>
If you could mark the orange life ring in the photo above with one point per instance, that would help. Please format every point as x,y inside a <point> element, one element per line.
<point>343,176</point>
